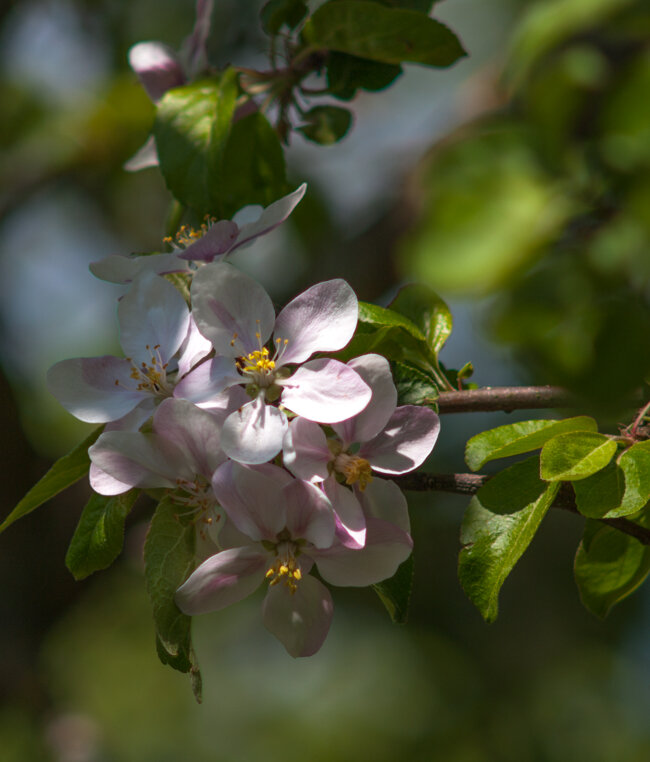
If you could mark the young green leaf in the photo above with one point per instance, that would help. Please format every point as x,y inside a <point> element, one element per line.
<point>609,565</point>
<point>414,386</point>
<point>389,35</point>
<point>575,455</point>
<point>169,557</point>
<point>601,493</point>
<point>395,593</point>
<point>346,74</point>
<point>427,311</point>
<point>99,536</point>
<point>635,464</point>
<point>191,130</point>
<point>326,124</point>
<point>517,438</point>
<point>65,472</point>
<point>499,524</point>
<point>377,316</point>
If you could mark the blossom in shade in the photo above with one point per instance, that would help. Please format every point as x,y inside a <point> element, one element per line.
<point>214,240</point>
<point>280,527</point>
<point>161,344</point>
<point>235,313</point>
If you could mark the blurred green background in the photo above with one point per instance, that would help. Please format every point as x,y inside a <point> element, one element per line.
<point>516,184</point>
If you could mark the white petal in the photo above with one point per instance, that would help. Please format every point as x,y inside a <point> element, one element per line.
<point>153,313</point>
<point>309,513</point>
<point>254,433</point>
<point>194,348</point>
<point>145,157</point>
<point>300,621</point>
<point>118,269</point>
<point>274,214</point>
<point>305,450</point>
<point>326,391</point>
<point>405,443</point>
<point>351,521</point>
<point>104,483</point>
<point>208,380</point>
<point>230,309</point>
<point>375,371</point>
<point>321,319</point>
<point>157,68</point>
<point>222,579</point>
<point>383,499</point>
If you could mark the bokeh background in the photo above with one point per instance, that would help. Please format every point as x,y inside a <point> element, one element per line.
<point>517,185</point>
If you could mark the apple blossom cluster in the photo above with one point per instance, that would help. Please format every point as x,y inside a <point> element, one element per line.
<point>239,413</point>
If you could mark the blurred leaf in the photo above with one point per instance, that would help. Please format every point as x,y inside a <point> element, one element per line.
<point>346,74</point>
<point>276,13</point>
<point>99,536</point>
<point>575,455</point>
<point>191,129</point>
<point>487,210</point>
<point>395,593</point>
<point>609,565</point>
<point>414,386</point>
<point>601,493</point>
<point>427,311</point>
<point>499,524</point>
<point>169,558</point>
<point>635,464</point>
<point>326,124</point>
<point>517,438</point>
<point>390,35</point>
<point>65,472</point>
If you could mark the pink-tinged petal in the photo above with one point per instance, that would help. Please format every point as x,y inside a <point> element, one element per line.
<point>300,621</point>
<point>134,420</point>
<point>154,314</point>
<point>208,380</point>
<point>386,548</point>
<point>309,513</point>
<point>226,402</point>
<point>230,309</point>
<point>118,269</point>
<point>145,157</point>
<point>194,431</point>
<point>216,241</point>
<point>350,519</point>
<point>95,389</point>
<point>325,391</point>
<point>157,68</point>
<point>406,441</point>
<point>271,217</point>
<point>254,433</point>
<point>321,319</point>
<point>375,371</point>
<point>305,450</point>
<point>222,579</point>
<point>383,499</point>
<point>194,348</point>
<point>104,483</point>
<point>252,498</point>
<point>140,460</point>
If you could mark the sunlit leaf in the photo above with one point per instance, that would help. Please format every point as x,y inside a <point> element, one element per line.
<point>635,464</point>
<point>575,455</point>
<point>427,311</point>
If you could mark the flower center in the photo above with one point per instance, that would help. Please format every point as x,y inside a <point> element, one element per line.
<point>153,377</point>
<point>187,235</point>
<point>285,568</point>
<point>261,369</point>
<point>354,469</point>
<point>200,500</point>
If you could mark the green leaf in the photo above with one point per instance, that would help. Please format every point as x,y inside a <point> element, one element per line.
<point>609,565</point>
<point>99,536</point>
<point>427,311</point>
<point>499,524</point>
<point>346,74</point>
<point>191,129</point>
<point>326,124</point>
<point>414,386</point>
<point>516,438</point>
<point>65,472</point>
<point>601,493</point>
<point>635,464</point>
<point>371,314</point>
<point>389,35</point>
<point>276,13</point>
<point>395,593</point>
<point>575,455</point>
<point>169,558</point>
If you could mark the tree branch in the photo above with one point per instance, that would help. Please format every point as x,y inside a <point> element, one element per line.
<point>469,484</point>
<point>506,398</point>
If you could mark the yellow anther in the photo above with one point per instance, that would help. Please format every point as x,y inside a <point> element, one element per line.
<point>355,469</point>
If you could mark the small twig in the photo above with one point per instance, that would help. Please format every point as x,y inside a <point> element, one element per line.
<point>469,484</point>
<point>505,398</point>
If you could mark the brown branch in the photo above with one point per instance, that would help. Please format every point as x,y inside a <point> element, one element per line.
<point>506,398</point>
<point>469,484</point>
